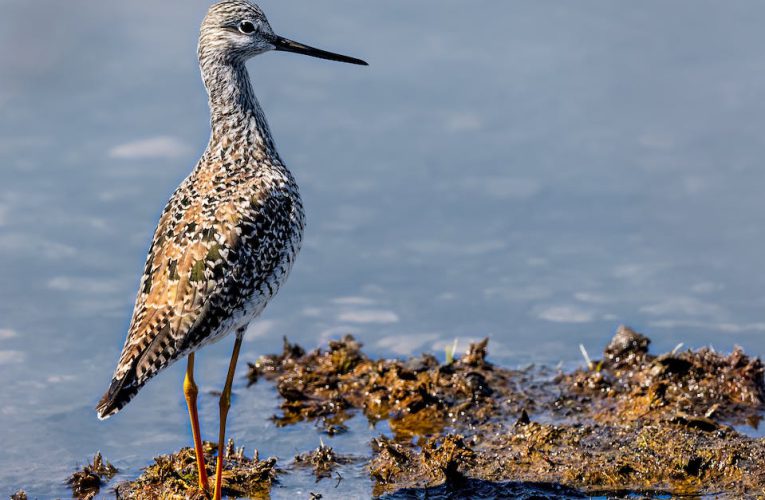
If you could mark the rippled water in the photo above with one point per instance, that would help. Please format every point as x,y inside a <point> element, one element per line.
<point>538,172</point>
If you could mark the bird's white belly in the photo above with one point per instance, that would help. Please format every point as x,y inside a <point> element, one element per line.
<point>240,318</point>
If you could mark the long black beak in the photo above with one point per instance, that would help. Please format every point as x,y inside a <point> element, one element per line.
<point>287,45</point>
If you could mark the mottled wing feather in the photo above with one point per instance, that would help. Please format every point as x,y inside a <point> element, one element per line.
<point>208,259</point>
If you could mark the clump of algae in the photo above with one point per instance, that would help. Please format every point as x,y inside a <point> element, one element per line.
<point>87,482</point>
<point>175,476</point>
<point>631,422</point>
<point>419,396</point>
<point>323,461</point>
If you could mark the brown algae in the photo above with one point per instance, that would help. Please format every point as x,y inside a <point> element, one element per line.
<point>632,422</point>
<point>323,461</point>
<point>87,482</point>
<point>175,476</point>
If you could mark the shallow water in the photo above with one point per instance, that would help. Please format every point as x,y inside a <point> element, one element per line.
<point>536,172</point>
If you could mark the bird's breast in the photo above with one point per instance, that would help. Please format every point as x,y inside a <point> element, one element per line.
<point>269,220</point>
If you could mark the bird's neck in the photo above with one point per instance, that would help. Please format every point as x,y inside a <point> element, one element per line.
<point>235,114</point>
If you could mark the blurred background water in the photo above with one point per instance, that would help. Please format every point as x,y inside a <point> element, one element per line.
<point>537,172</point>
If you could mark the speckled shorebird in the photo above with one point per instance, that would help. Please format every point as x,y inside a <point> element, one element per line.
<point>229,235</point>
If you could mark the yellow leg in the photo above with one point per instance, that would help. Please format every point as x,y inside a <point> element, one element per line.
<point>225,404</point>
<point>190,391</point>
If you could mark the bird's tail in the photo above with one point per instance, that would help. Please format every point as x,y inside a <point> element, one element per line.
<point>138,363</point>
<point>120,392</point>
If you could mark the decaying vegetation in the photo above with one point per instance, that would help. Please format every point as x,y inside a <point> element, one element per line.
<point>323,461</point>
<point>629,422</point>
<point>175,476</point>
<point>87,482</point>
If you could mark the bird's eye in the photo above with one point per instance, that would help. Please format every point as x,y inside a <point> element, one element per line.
<point>246,27</point>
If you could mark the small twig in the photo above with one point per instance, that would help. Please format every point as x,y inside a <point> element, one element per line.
<point>586,356</point>
<point>450,352</point>
<point>711,411</point>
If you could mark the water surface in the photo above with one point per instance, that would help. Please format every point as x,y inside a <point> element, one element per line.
<point>536,172</point>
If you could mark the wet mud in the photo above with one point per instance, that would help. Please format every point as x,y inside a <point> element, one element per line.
<point>630,423</point>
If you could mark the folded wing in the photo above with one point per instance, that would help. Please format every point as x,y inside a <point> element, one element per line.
<point>206,262</point>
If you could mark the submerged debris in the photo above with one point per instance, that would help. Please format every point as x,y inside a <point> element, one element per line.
<point>323,460</point>
<point>87,482</point>
<point>630,422</point>
<point>438,461</point>
<point>175,476</point>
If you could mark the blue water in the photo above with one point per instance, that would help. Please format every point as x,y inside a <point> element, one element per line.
<point>537,172</point>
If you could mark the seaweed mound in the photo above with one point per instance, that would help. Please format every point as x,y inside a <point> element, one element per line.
<point>87,482</point>
<point>630,422</point>
<point>419,396</point>
<point>175,476</point>
<point>323,461</point>
<point>631,384</point>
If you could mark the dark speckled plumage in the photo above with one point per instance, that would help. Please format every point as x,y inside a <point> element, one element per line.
<point>229,235</point>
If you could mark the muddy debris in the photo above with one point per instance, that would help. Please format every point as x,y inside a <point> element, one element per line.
<point>438,461</point>
<point>268,366</point>
<point>175,476</point>
<point>323,460</point>
<point>419,396</point>
<point>19,495</point>
<point>632,384</point>
<point>87,482</point>
<point>630,422</point>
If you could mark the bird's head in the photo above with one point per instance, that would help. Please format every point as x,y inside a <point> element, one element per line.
<point>236,30</point>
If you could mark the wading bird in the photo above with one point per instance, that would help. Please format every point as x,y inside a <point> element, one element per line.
<point>229,235</point>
